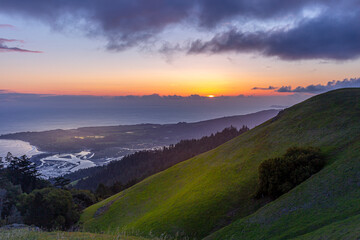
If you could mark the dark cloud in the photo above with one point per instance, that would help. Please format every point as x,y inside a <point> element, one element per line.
<point>332,85</point>
<point>324,37</point>
<point>128,23</point>
<point>284,89</point>
<point>332,34</point>
<point>262,88</point>
<point>5,48</point>
<point>213,12</point>
<point>123,23</point>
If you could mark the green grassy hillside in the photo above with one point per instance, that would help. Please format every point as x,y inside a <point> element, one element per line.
<point>211,190</point>
<point>326,206</point>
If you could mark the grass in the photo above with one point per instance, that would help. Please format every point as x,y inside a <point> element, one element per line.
<point>27,234</point>
<point>345,229</point>
<point>330,196</point>
<point>199,196</point>
<point>23,234</point>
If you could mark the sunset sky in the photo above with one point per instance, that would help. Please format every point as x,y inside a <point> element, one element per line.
<point>178,47</point>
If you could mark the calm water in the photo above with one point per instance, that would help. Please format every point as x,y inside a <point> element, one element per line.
<point>39,121</point>
<point>21,112</point>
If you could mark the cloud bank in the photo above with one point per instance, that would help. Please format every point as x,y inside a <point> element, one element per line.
<point>324,37</point>
<point>319,88</point>
<point>319,29</point>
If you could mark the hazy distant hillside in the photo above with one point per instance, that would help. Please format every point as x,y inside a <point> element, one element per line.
<point>117,141</point>
<point>211,190</point>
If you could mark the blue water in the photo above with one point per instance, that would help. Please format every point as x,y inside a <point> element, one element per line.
<point>31,112</point>
<point>40,119</point>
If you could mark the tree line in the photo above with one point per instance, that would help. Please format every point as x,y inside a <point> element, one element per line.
<point>133,168</point>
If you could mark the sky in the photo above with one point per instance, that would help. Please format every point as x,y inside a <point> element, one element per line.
<point>178,47</point>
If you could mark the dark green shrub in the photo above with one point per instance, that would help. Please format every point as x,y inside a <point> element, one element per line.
<point>49,208</point>
<point>279,175</point>
<point>82,198</point>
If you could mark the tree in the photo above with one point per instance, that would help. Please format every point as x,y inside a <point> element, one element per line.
<point>82,198</point>
<point>22,171</point>
<point>279,175</point>
<point>9,197</point>
<point>61,182</point>
<point>49,208</point>
<point>102,191</point>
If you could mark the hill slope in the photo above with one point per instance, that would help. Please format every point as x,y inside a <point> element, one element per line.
<point>208,191</point>
<point>135,167</point>
<point>326,206</point>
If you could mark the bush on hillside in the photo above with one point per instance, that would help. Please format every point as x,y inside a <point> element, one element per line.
<point>9,197</point>
<point>49,208</point>
<point>279,175</point>
<point>82,198</point>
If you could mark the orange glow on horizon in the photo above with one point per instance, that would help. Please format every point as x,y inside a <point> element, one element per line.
<point>114,92</point>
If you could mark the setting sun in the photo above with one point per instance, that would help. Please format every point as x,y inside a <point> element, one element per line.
<point>210,96</point>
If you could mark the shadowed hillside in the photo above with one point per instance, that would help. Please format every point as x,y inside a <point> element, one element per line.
<point>200,195</point>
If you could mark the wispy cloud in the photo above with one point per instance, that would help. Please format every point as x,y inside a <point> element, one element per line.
<point>319,88</point>
<point>264,88</point>
<point>6,26</point>
<point>5,48</point>
<point>4,40</point>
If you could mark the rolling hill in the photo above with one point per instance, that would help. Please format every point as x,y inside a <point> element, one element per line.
<point>205,193</point>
